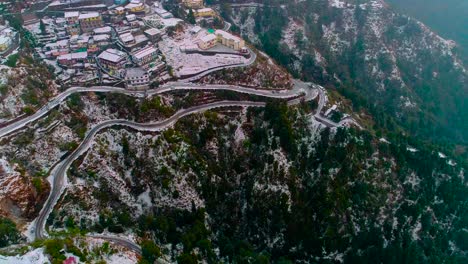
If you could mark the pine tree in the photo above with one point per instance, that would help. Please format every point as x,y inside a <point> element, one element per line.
<point>191,17</point>
<point>42,27</point>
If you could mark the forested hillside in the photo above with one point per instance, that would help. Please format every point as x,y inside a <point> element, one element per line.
<point>388,64</point>
<point>449,18</point>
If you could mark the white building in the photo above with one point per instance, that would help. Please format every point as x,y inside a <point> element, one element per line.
<point>208,42</point>
<point>229,40</point>
<point>137,78</point>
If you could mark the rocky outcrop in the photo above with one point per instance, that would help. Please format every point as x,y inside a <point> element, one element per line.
<point>21,197</point>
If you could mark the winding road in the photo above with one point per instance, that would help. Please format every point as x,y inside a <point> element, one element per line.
<point>58,174</point>
<point>174,86</point>
<point>301,92</point>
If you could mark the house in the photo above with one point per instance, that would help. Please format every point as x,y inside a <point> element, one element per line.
<point>127,38</point>
<point>72,17</point>
<point>131,17</point>
<point>193,4</point>
<point>195,30</point>
<point>102,30</point>
<point>5,43</point>
<point>101,40</point>
<point>136,78</point>
<point>112,59</point>
<point>119,10</point>
<point>90,21</point>
<point>145,56</point>
<point>229,40</point>
<point>153,34</point>
<point>208,42</point>
<point>135,6</point>
<point>204,12</point>
<point>72,58</point>
<point>163,13</point>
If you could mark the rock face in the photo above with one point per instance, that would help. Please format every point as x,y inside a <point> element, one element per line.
<point>370,53</point>
<point>20,199</point>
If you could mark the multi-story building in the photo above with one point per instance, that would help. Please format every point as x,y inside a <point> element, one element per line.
<point>153,34</point>
<point>127,38</point>
<point>229,40</point>
<point>73,26</point>
<point>145,56</point>
<point>72,58</point>
<point>112,59</point>
<point>204,12</point>
<point>90,21</point>
<point>136,78</point>
<point>194,4</point>
<point>208,42</point>
<point>72,17</point>
<point>135,6</point>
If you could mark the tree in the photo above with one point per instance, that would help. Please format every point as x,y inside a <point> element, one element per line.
<point>8,232</point>
<point>42,27</point>
<point>191,17</point>
<point>150,251</point>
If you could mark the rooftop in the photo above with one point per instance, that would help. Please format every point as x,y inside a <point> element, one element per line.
<point>227,35</point>
<point>144,52</point>
<point>127,37</point>
<point>207,38</point>
<point>135,72</point>
<point>153,31</point>
<point>73,56</point>
<point>72,14</point>
<point>102,30</point>
<point>112,55</point>
<point>88,15</point>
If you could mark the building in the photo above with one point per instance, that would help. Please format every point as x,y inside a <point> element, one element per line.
<point>163,13</point>
<point>72,17</point>
<point>193,4</point>
<point>127,38</point>
<point>120,2</point>
<point>102,30</point>
<point>204,12</point>
<point>101,40</point>
<point>145,56</point>
<point>153,34</point>
<point>135,6</point>
<point>5,43</point>
<point>73,26</point>
<point>112,59</point>
<point>137,78</point>
<point>90,21</point>
<point>229,40</point>
<point>72,58</point>
<point>208,42</point>
<point>119,10</point>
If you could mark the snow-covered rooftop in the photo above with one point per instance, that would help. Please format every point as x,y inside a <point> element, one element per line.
<point>102,30</point>
<point>127,37</point>
<point>208,38</point>
<point>74,56</point>
<point>112,55</point>
<point>144,52</point>
<point>88,15</point>
<point>72,14</point>
<point>153,31</point>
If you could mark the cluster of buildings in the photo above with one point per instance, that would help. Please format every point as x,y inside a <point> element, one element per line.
<point>112,46</point>
<point>121,42</point>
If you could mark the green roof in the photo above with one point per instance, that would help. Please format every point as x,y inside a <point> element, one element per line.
<point>211,31</point>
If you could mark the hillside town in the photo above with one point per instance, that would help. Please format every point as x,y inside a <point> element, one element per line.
<point>136,43</point>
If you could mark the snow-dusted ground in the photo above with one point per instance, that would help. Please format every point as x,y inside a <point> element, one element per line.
<point>36,256</point>
<point>187,64</point>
